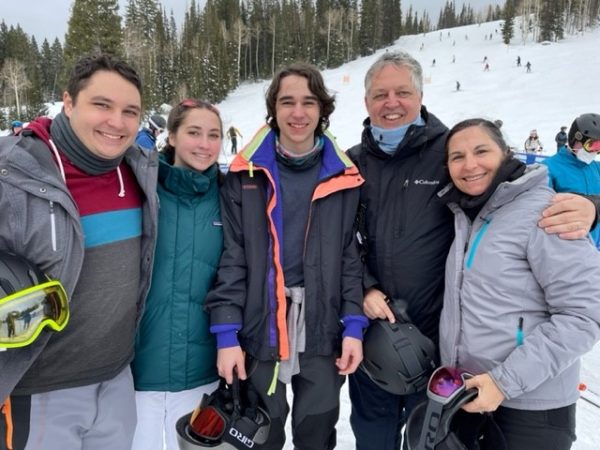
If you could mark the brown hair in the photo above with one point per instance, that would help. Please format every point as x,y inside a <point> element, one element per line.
<point>180,112</point>
<point>87,66</point>
<point>316,86</point>
<point>490,128</point>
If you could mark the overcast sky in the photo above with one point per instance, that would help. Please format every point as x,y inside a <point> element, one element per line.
<point>48,18</point>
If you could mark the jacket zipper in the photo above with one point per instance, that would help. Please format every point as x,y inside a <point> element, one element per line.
<point>52,226</point>
<point>476,241</point>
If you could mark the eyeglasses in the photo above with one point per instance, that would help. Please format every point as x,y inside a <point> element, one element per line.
<point>591,145</point>
<point>446,383</point>
<point>207,422</point>
<point>197,103</point>
<point>24,314</point>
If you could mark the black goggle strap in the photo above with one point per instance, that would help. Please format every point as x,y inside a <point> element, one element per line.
<point>431,424</point>
<point>235,394</point>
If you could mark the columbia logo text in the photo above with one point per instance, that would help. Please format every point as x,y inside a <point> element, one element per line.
<point>429,182</point>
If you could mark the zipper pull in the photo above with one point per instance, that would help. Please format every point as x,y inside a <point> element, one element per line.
<point>273,385</point>
<point>251,169</point>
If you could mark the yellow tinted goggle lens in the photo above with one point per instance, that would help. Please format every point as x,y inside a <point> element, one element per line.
<point>592,145</point>
<point>24,314</point>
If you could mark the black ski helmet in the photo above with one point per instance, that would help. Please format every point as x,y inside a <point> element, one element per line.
<point>243,423</point>
<point>17,274</point>
<point>157,122</point>
<point>397,356</point>
<point>586,126</point>
<point>442,424</point>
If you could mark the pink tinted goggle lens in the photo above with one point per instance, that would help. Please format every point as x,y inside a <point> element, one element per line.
<point>446,381</point>
<point>592,145</point>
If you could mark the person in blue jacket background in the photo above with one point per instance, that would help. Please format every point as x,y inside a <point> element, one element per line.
<point>146,137</point>
<point>175,360</point>
<point>574,167</point>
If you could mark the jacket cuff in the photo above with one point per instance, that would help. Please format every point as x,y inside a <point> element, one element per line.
<point>354,326</point>
<point>226,335</point>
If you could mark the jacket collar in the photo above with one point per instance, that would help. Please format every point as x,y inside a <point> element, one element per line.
<point>414,141</point>
<point>185,182</point>
<point>260,153</point>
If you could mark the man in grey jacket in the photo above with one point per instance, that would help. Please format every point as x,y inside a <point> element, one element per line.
<point>79,201</point>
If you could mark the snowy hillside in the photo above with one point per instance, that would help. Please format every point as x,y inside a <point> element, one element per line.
<point>562,84</point>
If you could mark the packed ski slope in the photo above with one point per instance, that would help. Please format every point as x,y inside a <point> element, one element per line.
<point>562,84</point>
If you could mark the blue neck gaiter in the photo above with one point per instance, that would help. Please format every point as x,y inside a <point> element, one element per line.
<point>388,139</point>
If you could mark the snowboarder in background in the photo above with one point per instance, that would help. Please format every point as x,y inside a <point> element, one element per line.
<point>518,61</point>
<point>233,133</point>
<point>528,65</point>
<point>486,67</point>
<point>458,85</point>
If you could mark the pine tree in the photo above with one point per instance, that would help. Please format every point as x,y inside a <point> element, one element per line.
<point>551,23</point>
<point>509,18</point>
<point>142,19</point>
<point>94,27</point>
<point>391,15</point>
<point>370,27</point>
<point>34,98</point>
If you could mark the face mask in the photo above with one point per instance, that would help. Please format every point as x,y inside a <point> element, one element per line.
<point>389,139</point>
<point>585,156</point>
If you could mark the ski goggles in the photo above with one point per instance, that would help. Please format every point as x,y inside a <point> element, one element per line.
<point>591,145</point>
<point>24,314</point>
<point>447,383</point>
<point>207,423</point>
<point>446,393</point>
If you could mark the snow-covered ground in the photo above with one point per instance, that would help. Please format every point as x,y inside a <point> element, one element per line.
<point>563,83</point>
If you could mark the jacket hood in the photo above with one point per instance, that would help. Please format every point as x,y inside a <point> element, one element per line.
<point>40,127</point>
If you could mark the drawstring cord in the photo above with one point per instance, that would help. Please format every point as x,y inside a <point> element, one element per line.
<point>121,193</point>
<point>58,161</point>
<point>121,184</point>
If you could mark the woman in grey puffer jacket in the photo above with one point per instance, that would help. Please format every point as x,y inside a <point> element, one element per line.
<point>520,306</point>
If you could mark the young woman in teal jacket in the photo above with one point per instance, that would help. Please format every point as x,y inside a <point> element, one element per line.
<point>175,352</point>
